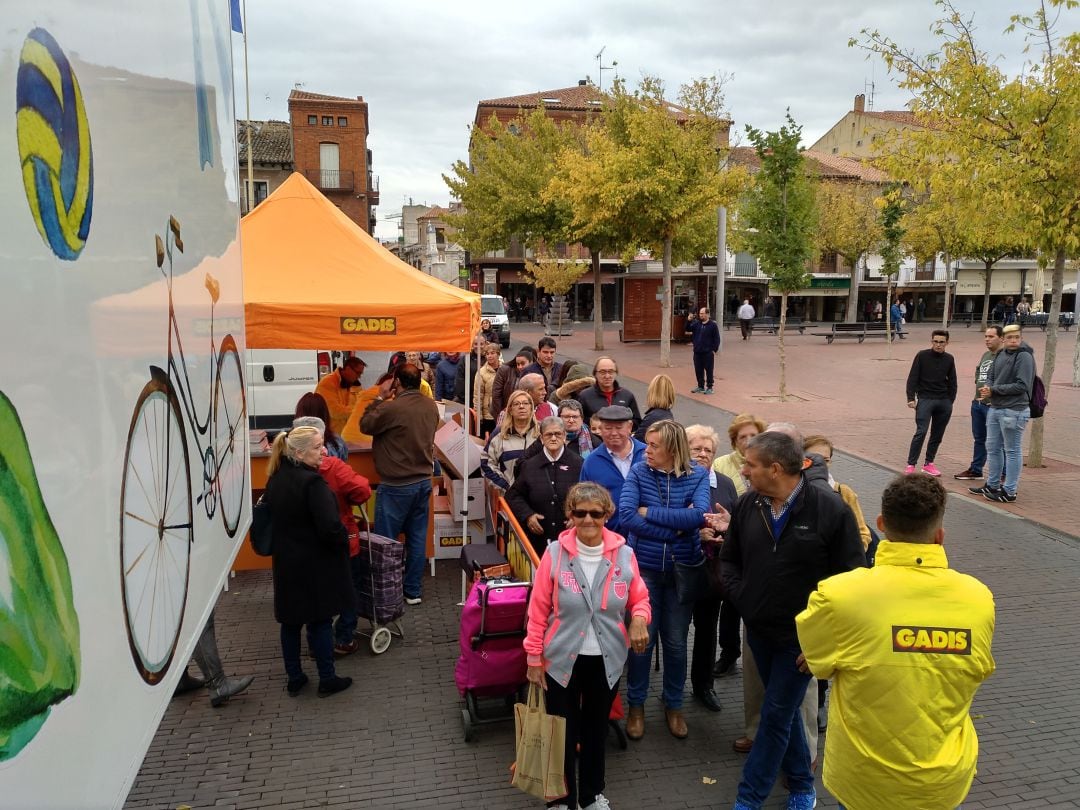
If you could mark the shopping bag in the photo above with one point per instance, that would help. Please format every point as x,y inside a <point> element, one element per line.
<point>262,530</point>
<point>541,748</point>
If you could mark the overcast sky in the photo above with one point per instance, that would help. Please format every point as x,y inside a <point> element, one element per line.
<point>422,67</point>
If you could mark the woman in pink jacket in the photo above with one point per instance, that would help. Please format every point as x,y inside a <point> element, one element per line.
<point>577,637</point>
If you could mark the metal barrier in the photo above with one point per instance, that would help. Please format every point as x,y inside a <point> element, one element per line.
<point>513,542</point>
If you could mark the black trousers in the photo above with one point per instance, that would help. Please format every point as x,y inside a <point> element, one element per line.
<point>703,368</point>
<point>585,702</point>
<point>744,326</point>
<point>715,620</point>
<point>935,415</point>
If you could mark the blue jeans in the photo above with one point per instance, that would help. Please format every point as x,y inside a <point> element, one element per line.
<point>979,413</point>
<point>780,744</point>
<point>671,621</point>
<point>404,510</point>
<point>345,626</point>
<point>321,640</point>
<point>1005,431</point>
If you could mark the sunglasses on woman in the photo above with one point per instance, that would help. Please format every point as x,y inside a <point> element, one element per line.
<point>581,514</point>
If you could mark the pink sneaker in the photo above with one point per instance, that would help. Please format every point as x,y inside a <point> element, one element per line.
<point>930,469</point>
<point>909,469</point>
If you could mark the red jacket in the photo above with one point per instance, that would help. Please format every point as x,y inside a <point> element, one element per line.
<point>350,489</point>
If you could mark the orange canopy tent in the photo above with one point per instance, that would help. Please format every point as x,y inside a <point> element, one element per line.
<point>313,279</point>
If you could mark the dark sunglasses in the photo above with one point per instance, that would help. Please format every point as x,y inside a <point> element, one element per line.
<point>595,514</point>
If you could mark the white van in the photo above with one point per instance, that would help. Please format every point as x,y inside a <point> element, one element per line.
<point>277,378</point>
<point>493,308</point>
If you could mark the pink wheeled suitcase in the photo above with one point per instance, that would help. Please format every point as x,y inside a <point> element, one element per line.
<point>492,660</point>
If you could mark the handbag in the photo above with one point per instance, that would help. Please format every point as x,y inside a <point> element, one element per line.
<point>691,582</point>
<point>541,748</point>
<point>262,530</point>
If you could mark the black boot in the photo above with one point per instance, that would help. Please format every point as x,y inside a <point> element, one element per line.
<point>222,687</point>
<point>188,683</point>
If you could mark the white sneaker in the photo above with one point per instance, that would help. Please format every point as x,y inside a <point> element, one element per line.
<point>599,803</point>
<point>413,600</point>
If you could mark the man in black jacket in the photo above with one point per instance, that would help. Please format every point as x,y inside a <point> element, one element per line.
<point>785,536</point>
<point>706,339</point>
<point>606,391</point>
<point>931,391</point>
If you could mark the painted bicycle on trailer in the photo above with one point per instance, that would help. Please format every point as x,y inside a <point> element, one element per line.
<point>156,507</point>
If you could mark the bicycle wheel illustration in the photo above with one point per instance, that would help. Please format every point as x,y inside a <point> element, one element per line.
<point>230,423</point>
<point>155,528</point>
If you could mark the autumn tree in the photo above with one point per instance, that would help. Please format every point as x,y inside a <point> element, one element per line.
<point>892,237</point>
<point>777,218</point>
<point>1016,133</point>
<point>849,226</point>
<point>650,175</point>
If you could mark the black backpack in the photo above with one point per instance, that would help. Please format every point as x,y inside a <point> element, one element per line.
<point>1037,402</point>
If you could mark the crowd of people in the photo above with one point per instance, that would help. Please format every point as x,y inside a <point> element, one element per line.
<point>644,527</point>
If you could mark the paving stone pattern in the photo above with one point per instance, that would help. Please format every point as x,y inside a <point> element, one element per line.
<point>395,739</point>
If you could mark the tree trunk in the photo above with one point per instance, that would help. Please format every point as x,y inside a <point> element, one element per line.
<point>987,273</point>
<point>945,314</point>
<point>780,346</point>
<point>665,309</point>
<point>852,313</point>
<point>888,314</point>
<point>597,304</point>
<point>1076,326</point>
<point>1035,449</point>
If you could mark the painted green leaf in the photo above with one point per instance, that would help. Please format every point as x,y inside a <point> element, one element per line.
<point>39,629</point>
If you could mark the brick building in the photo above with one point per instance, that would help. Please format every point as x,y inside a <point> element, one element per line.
<point>325,139</point>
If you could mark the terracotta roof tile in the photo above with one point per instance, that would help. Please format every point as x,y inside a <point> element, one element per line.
<point>826,166</point>
<point>304,95</point>
<point>578,97</point>
<point>435,212</point>
<point>271,141</point>
<point>900,116</point>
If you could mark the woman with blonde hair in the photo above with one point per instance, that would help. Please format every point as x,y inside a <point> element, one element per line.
<point>742,429</point>
<point>519,429</point>
<point>659,400</point>
<point>661,509</point>
<point>312,583</point>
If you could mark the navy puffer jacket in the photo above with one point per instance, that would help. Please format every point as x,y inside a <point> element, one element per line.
<point>676,511</point>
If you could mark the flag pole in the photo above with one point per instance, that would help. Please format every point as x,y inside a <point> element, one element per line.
<point>247,98</point>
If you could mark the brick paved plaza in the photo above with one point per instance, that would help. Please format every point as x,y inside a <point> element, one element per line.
<point>395,739</point>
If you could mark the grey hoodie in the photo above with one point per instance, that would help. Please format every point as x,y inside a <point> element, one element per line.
<point>1011,377</point>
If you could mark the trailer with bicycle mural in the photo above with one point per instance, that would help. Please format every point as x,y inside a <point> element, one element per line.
<point>123,434</point>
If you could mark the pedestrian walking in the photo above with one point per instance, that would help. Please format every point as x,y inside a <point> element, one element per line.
<point>706,340</point>
<point>746,318</point>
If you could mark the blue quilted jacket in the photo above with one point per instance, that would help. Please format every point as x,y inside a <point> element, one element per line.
<point>676,510</point>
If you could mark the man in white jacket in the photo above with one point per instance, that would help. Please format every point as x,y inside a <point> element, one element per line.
<point>746,315</point>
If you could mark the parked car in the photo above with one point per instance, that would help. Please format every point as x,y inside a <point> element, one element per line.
<point>493,307</point>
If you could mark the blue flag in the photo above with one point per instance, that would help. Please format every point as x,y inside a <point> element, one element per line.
<point>237,19</point>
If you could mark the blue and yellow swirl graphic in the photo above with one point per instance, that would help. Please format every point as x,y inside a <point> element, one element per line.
<point>54,145</point>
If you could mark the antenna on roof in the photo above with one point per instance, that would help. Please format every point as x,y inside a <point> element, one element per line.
<point>868,88</point>
<point>601,67</point>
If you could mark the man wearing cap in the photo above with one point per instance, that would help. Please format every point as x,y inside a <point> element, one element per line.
<point>1008,385</point>
<point>610,463</point>
<point>336,388</point>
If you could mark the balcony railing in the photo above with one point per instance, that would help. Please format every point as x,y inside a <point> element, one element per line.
<point>331,179</point>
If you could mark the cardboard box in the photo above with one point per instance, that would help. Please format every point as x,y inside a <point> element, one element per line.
<point>450,442</point>
<point>477,497</point>
<point>448,538</point>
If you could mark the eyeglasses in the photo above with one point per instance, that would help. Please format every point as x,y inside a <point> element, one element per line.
<point>553,435</point>
<point>581,514</point>
<point>522,403</point>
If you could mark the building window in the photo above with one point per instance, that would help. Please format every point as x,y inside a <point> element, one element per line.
<point>329,164</point>
<point>328,120</point>
<point>342,121</point>
<point>260,193</point>
<point>312,120</point>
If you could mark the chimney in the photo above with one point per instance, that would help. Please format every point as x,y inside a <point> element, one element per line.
<point>582,82</point>
<point>860,103</point>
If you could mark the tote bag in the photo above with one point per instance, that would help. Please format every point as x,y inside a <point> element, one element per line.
<point>541,748</point>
